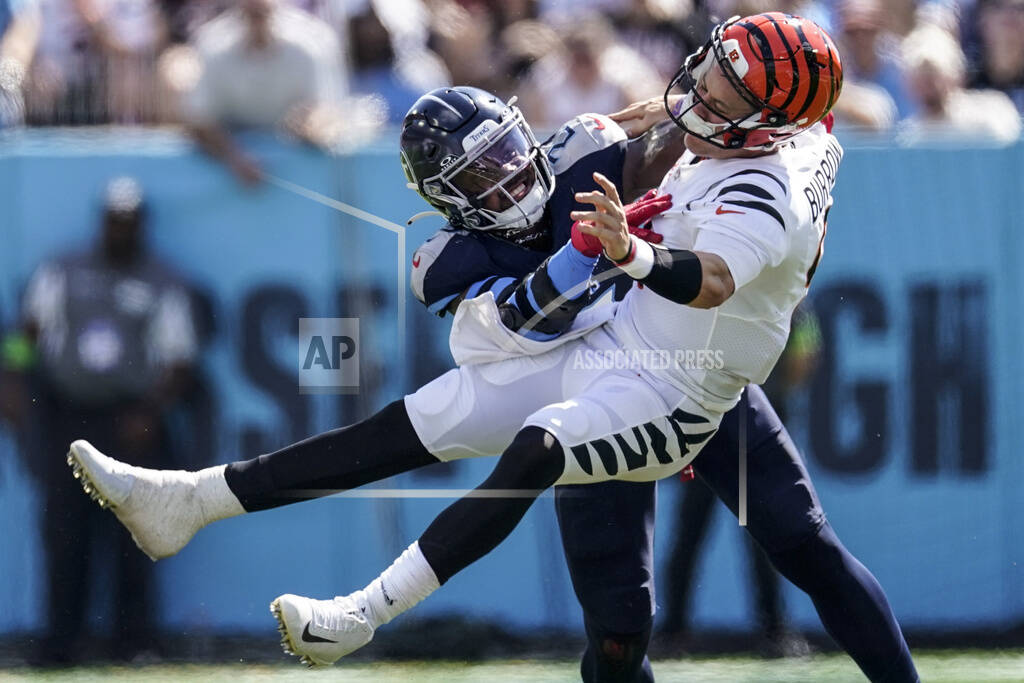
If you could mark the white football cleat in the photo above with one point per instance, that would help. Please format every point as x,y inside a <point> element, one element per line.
<point>320,632</point>
<point>159,507</point>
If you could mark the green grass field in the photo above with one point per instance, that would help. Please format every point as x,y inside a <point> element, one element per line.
<point>946,667</point>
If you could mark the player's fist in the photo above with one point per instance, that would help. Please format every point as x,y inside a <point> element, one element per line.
<point>588,245</point>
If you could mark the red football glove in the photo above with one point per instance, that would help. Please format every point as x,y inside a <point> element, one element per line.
<point>643,210</point>
<point>588,245</point>
<point>638,213</point>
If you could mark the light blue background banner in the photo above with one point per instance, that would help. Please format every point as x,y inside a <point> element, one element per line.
<point>911,430</point>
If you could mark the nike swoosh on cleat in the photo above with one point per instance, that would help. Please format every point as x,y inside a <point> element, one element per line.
<point>308,637</point>
<point>384,592</point>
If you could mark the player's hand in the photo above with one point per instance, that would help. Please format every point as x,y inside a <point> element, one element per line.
<point>607,222</point>
<point>588,245</point>
<point>643,210</point>
<point>640,117</point>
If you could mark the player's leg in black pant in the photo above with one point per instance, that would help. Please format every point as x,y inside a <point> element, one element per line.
<point>851,604</point>
<point>474,525</point>
<point>608,537</point>
<point>612,657</point>
<point>695,514</point>
<point>386,444</point>
<point>380,446</point>
<point>786,519</point>
<point>767,596</point>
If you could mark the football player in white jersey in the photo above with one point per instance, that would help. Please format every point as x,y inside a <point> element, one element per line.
<point>741,243</point>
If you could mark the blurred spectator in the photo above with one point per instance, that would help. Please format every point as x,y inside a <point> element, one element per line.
<point>946,14</point>
<point>510,11</point>
<point>1001,63</point>
<point>870,52</point>
<point>184,17</point>
<point>95,62</point>
<point>901,15</point>
<point>946,111</point>
<point>874,93</point>
<point>523,44</point>
<point>591,72</point>
<point>265,66</point>
<point>796,365</point>
<point>112,337</point>
<point>464,37</point>
<point>865,106</point>
<point>663,31</point>
<point>559,9</point>
<point>19,35</point>
<point>488,43</point>
<point>377,69</point>
<point>819,11</point>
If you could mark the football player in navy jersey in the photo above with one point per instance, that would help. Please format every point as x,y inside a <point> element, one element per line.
<point>612,569</point>
<point>476,161</point>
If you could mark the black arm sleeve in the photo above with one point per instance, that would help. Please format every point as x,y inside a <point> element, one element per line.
<point>535,293</point>
<point>676,275</point>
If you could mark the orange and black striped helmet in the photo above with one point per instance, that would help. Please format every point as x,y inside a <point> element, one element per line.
<point>786,67</point>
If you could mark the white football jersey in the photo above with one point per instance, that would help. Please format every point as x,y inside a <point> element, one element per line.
<point>765,217</point>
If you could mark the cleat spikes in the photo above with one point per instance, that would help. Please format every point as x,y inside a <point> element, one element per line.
<point>87,484</point>
<point>295,614</point>
<point>286,645</point>
<point>158,507</point>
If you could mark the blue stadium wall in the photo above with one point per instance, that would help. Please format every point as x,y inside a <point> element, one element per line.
<point>912,429</point>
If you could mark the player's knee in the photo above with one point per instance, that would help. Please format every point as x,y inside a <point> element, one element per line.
<point>615,657</point>
<point>534,459</point>
<point>815,561</point>
<point>616,650</point>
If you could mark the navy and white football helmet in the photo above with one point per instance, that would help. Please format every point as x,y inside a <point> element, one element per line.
<point>475,159</point>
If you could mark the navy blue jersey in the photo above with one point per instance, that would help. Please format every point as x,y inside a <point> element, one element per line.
<point>454,260</point>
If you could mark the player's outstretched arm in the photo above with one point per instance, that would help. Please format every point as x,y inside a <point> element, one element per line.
<point>650,157</point>
<point>546,302</point>
<point>639,117</point>
<point>698,279</point>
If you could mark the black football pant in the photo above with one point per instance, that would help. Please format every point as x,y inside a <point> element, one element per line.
<point>696,512</point>
<point>608,531</point>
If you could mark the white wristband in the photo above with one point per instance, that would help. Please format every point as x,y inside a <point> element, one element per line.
<point>642,261</point>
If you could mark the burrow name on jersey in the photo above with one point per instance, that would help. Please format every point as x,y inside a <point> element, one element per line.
<point>819,191</point>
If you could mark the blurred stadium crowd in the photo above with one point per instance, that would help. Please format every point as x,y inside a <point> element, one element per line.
<point>331,71</point>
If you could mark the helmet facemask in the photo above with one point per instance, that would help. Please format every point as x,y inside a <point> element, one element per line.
<point>760,130</point>
<point>501,180</point>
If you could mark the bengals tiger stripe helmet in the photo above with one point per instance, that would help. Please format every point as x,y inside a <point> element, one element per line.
<point>785,67</point>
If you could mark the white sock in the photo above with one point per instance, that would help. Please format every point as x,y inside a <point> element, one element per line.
<point>401,586</point>
<point>215,498</point>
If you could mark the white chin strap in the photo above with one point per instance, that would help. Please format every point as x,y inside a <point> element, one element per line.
<point>524,212</point>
